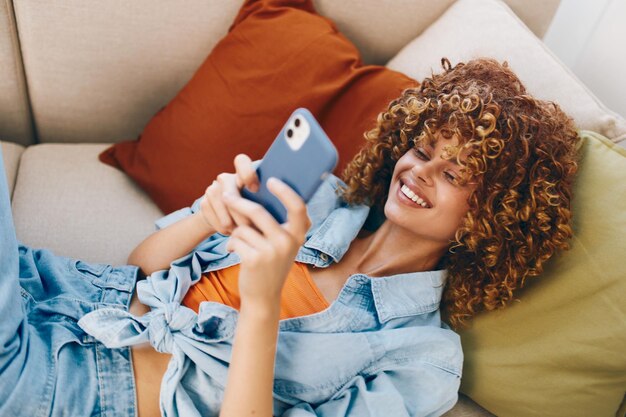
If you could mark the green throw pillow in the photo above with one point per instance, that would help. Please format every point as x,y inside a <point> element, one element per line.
<point>561,349</point>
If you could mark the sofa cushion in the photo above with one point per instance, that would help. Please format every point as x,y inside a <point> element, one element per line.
<point>11,153</point>
<point>504,37</point>
<point>559,350</point>
<point>278,55</point>
<point>69,202</point>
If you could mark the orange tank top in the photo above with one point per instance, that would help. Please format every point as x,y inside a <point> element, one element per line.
<point>300,296</point>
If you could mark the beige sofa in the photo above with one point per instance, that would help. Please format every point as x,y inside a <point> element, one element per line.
<point>76,76</point>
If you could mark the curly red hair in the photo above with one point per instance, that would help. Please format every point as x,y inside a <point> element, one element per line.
<point>521,152</point>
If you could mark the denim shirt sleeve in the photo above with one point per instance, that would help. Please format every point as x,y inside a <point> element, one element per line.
<point>413,389</point>
<point>177,215</point>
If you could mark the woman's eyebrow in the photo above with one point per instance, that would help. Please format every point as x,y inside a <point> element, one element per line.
<point>452,159</point>
<point>430,148</point>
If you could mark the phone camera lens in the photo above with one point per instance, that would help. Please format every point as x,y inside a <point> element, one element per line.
<point>289,133</point>
<point>297,122</point>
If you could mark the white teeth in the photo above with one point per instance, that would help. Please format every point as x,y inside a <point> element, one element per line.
<point>407,192</point>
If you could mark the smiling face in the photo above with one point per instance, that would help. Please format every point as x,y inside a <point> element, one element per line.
<point>427,194</point>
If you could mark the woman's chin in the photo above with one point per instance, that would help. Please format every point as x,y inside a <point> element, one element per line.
<point>396,214</point>
<point>423,229</point>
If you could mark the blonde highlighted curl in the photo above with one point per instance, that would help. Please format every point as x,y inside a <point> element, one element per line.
<point>521,152</point>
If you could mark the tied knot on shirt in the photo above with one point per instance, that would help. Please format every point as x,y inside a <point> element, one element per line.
<point>166,320</point>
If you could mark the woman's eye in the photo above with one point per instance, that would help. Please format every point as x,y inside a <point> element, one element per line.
<point>450,178</point>
<point>421,154</point>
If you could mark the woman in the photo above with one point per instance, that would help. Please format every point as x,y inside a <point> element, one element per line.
<point>461,192</point>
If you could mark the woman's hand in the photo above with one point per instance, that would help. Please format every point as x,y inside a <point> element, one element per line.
<point>267,249</point>
<point>212,206</point>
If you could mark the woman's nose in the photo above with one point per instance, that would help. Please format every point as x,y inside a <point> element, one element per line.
<point>423,173</point>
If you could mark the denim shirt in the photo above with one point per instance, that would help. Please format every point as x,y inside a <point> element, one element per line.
<point>380,348</point>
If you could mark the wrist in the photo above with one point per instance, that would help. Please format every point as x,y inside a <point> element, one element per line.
<point>260,309</point>
<point>203,224</point>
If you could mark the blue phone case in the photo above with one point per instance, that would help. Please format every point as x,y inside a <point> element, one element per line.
<point>303,169</point>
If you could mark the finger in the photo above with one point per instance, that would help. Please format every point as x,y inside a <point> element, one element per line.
<point>240,247</point>
<point>228,184</point>
<point>298,221</point>
<point>221,212</point>
<point>245,173</point>
<point>209,214</point>
<point>256,215</point>
<point>238,218</point>
<point>250,236</point>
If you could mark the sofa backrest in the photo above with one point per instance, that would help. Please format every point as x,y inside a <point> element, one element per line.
<point>15,117</point>
<point>76,71</point>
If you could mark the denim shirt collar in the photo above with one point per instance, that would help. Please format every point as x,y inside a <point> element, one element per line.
<point>407,294</point>
<point>334,235</point>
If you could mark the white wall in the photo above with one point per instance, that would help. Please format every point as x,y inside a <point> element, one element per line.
<point>589,36</point>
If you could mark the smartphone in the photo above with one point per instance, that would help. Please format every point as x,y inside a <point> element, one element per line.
<point>301,156</point>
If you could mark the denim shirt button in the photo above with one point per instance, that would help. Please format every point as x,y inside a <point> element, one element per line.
<point>324,257</point>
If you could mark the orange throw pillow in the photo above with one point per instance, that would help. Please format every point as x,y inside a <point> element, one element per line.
<point>276,57</point>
